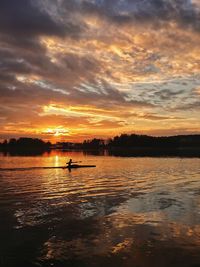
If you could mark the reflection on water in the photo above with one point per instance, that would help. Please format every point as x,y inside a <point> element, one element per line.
<point>126,212</point>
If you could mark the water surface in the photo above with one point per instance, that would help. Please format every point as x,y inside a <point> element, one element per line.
<point>125,212</point>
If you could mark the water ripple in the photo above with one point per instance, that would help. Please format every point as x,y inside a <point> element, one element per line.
<point>126,210</point>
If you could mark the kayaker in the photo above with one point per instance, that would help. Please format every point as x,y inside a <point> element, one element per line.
<point>70,162</point>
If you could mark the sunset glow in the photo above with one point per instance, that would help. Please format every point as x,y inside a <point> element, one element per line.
<point>74,70</point>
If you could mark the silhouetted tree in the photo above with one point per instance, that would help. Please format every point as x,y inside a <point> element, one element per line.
<point>134,140</point>
<point>93,144</point>
<point>25,143</point>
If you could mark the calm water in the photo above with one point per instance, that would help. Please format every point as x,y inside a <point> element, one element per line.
<point>125,212</point>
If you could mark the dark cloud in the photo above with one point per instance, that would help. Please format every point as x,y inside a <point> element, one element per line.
<point>25,18</point>
<point>74,62</point>
<point>22,44</point>
<point>167,94</point>
<point>21,52</point>
<point>156,117</point>
<point>193,105</point>
<point>155,11</point>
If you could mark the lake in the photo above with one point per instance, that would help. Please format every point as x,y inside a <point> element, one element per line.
<point>126,212</point>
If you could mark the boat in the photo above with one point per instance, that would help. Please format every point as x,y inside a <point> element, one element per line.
<point>75,166</point>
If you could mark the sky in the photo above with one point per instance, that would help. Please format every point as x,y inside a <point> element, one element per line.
<point>72,70</point>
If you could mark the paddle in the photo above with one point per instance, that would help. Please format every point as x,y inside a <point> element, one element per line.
<point>72,163</point>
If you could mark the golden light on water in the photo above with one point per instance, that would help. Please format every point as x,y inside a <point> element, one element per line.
<point>57,161</point>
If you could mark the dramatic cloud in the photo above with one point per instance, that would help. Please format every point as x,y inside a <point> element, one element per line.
<point>74,69</point>
<point>27,19</point>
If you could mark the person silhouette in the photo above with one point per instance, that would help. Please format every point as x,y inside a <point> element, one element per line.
<point>69,163</point>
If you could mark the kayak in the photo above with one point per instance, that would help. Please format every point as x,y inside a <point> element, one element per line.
<point>75,166</point>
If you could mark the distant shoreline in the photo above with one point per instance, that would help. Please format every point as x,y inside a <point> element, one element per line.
<point>124,145</point>
<point>115,151</point>
<point>156,152</point>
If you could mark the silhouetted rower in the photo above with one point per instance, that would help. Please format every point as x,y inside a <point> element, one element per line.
<point>70,162</point>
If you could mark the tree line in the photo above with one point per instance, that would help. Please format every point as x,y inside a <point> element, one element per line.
<point>25,143</point>
<point>128,141</point>
<point>144,141</point>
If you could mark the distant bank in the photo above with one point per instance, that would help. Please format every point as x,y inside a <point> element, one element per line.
<point>123,145</point>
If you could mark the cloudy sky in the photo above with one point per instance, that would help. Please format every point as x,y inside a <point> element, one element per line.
<point>75,69</point>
